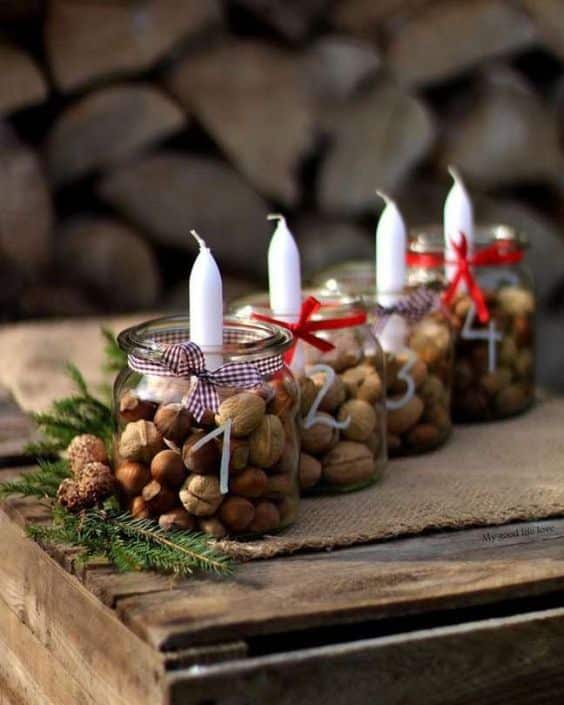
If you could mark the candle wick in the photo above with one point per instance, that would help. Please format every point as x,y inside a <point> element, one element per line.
<point>201,242</point>
<point>384,196</point>
<point>453,171</point>
<point>276,216</point>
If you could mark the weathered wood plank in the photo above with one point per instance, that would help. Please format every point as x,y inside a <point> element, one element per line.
<point>29,675</point>
<point>517,660</point>
<point>403,577</point>
<point>84,636</point>
<point>15,429</point>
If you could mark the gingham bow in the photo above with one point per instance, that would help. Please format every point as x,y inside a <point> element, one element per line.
<point>187,360</point>
<point>412,307</point>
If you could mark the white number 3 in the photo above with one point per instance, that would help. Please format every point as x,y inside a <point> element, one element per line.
<point>409,381</point>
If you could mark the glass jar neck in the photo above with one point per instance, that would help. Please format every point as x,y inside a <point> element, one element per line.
<point>430,240</point>
<point>243,340</point>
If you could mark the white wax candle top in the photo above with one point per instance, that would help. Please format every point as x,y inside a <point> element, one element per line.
<point>206,300</point>
<point>394,336</point>
<point>284,272</point>
<point>391,242</point>
<point>458,218</point>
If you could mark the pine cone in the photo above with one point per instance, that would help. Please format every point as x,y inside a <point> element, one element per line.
<point>86,449</point>
<point>69,496</point>
<point>95,482</point>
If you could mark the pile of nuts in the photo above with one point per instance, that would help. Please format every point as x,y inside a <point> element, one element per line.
<point>481,393</point>
<point>92,480</point>
<point>420,421</point>
<point>351,456</point>
<point>162,472</point>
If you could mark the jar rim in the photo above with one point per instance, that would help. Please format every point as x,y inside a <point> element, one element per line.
<point>430,238</point>
<point>334,305</point>
<point>258,339</point>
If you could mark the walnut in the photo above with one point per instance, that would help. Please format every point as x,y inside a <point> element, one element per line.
<point>402,419</point>
<point>86,448</point>
<point>309,471</point>
<point>266,442</point>
<point>319,437</point>
<point>308,392</point>
<point>246,410</point>
<point>200,495</point>
<point>335,394</point>
<point>140,441</point>
<point>361,418</point>
<point>348,463</point>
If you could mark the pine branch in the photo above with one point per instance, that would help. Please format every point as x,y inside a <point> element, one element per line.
<point>42,482</point>
<point>116,358</point>
<point>134,544</point>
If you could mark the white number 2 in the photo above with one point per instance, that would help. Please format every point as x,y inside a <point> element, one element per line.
<point>408,379</point>
<point>312,416</point>
<point>225,429</point>
<point>491,334</point>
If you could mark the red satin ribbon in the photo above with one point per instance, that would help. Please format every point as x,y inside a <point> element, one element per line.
<point>498,253</point>
<point>304,329</point>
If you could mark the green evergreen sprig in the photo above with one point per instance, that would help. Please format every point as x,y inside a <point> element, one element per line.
<point>116,358</point>
<point>42,483</point>
<point>133,544</point>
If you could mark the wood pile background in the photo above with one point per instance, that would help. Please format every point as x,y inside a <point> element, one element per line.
<point>123,123</point>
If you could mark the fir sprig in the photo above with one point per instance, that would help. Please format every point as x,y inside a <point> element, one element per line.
<point>116,358</point>
<point>134,544</point>
<point>42,483</point>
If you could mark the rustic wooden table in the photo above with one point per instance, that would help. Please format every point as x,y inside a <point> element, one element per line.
<point>473,616</point>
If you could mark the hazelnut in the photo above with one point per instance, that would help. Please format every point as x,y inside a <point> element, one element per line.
<point>280,486</point>
<point>423,437</point>
<point>173,421</point>
<point>437,415</point>
<point>267,517</point>
<point>212,526</point>
<point>319,437</point>
<point>348,463</point>
<point>494,382</point>
<point>139,509</point>
<point>131,408</point>
<point>354,377</point>
<point>266,442</point>
<point>402,419</point>
<point>515,300</point>
<point>86,448</point>
<point>346,353</point>
<point>433,391</point>
<point>237,513</point>
<point>132,477</point>
<point>205,459</point>
<point>167,467</point>
<point>285,396</point>
<point>361,418</point>
<point>177,518</point>
<point>246,410</point>
<point>334,396</point>
<point>309,471</point>
<point>473,404</point>
<point>238,453</point>
<point>524,363</point>
<point>393,443</point>
<point>252,482</point>
<point>158,498</point>
<point>511,400</point>
<point>308,392</point>
<point>139,441</point>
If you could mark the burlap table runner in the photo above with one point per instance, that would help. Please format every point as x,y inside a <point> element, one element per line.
<point>486,475</point>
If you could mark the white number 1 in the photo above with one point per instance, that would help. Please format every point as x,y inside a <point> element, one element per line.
<point>491,334</point>
<point>225,429</point>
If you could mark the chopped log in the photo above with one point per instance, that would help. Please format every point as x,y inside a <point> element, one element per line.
<point>26,212</point>
<point>506,136</point>
<point>91,40</point>
<point>107,126</point>
<point>292,18</point>
<point>248,96</point>
<point>377,140</point>
<point>446,38</point>
<point>168,193</point>
<point>111,259</point>
<point>21,81</point>
<point>548,16</point>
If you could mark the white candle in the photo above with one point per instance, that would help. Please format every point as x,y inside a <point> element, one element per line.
<point>285,280</point>
<point>391,243</point>
<point>458,218</point>
<point>206,304</point>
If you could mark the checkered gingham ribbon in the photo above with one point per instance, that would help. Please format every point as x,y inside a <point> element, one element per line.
<point>413,307</point>
<point>186,359</point>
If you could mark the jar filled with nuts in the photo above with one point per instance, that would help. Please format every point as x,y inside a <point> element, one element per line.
<point>415,333</point>
<point>493,308</point>
<point>342,383</point>
<point>212,450</point>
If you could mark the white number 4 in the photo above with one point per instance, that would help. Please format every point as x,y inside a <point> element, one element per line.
<point>491,334</point>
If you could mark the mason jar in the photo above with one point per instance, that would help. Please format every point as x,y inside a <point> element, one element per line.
<point>495,357</point>
<point>342,411</point>
<point>224,467</point>
<point>416,335</point>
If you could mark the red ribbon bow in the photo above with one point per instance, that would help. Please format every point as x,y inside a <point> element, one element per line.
<point>499,252</point>
<point>304,328</point>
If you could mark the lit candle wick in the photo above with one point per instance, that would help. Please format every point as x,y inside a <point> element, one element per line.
<point>200,240</point>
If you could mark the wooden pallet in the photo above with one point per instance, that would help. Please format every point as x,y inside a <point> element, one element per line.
<point>474,616</point>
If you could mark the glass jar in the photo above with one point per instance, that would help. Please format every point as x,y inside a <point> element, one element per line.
<point>342,413</point>
<point>232,472</point>
<point>495,360</point>
<point>352,278</point>
<point>416,335</point>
